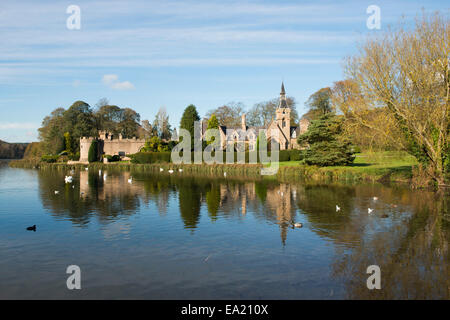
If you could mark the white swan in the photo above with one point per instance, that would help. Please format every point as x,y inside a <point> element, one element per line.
<point>68,179</point>
<point>180,170</point>
<point>369,210</point>
<point>375,198</point>
<point>170,171</point>
<point>130,180</point>
<point>56,192</point>
<point>298,225</point>
<point>337,208</point>
<point>161,169</point>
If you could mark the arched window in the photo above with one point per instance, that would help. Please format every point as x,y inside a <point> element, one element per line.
<point>284,123</point>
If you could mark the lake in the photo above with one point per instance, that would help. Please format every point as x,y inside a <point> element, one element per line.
<point>178,237</point>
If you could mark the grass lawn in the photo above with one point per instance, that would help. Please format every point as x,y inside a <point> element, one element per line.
<point>396,165</point>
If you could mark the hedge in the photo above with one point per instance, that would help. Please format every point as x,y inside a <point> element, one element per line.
<point>49,159</point>
<point>165,157</point>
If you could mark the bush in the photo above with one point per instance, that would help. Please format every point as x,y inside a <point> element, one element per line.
<point>93,151</point>
<point>75,156</point>
<point>284,155</point>
<point>296,155</point>
<point>49,158</point>
<point>113,158</point>
<point>150,157</point>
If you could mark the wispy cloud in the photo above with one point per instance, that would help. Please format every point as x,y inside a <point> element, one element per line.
<point>17,125</point>
<point>112,81</point>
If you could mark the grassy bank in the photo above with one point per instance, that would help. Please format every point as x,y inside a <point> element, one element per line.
<point>380,166</point>
<point>376,166</point>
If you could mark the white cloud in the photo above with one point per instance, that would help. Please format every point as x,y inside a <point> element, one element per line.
<point>112,81</point>
<point>17,125</point>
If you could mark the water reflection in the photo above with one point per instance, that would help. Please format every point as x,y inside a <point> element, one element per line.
<point>407,235</point>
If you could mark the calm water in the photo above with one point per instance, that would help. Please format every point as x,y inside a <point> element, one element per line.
<point>175,237</point>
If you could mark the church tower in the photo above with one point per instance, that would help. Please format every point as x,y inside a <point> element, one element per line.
<point>283,118</point>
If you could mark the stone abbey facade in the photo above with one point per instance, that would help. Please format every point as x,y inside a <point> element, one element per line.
<point>283,133</point>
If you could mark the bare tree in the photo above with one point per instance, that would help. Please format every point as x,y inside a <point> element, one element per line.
<point>407,73</point>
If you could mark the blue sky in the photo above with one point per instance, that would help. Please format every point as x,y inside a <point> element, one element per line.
<point>148,54</point>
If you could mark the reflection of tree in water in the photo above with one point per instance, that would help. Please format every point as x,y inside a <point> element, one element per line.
<point>89,195</point>
<point>213,200</point>
<point>189,196</point>
<point>412,254</point>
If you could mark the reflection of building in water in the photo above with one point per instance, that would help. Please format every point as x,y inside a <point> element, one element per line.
<point>278,204</point>
<point>279,200</point>
<point>235,193</point>
<point>112,186</point>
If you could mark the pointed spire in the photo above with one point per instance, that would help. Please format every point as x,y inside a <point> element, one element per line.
<point>282,88</point>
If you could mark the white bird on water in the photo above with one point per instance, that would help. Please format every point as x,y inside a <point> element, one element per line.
<point>298,225</point>
<point>375,198</point>
<point>130,180</point>
<point>180,170</point>
<point>68,179</point>
<point>170,171</point>
<point>161,169</point>
<point>56,192</point>
<point>86,168</point>
<point>369,210</point>
<point>338,208</point>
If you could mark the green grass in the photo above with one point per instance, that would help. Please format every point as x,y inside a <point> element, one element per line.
<point>374,166</point>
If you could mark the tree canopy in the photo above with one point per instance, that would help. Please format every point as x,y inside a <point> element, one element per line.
<point>326,144</point>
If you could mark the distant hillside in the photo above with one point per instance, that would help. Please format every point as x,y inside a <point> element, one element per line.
<point>12,150</point>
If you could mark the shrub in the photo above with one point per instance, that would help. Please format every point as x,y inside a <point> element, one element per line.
<point>49,158</point>
<point>113,158</point>
<point>284,155</point>
<point>150,157</point>
<point>93,150</point>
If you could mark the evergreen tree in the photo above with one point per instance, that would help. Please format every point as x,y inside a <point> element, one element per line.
<point>327,145</point>
<point>190,115</point>
<point>213,123</point>
<point>92,154</point>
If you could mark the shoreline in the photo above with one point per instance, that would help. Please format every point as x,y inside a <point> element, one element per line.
<point>287,172</point>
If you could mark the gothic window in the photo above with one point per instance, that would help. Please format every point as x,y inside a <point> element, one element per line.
<point>284,124</point>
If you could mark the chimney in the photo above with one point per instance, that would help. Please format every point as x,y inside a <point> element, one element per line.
<point>243,124</point>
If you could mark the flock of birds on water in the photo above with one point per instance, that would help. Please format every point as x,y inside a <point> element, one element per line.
<point>69,179</point>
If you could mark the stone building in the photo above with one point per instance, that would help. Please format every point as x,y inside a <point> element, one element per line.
<point>285,134</point>
<point>108,144</point>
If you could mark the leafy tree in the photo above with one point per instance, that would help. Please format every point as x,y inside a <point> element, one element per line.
<point>108,118</point>
<point>79,121</point>
<point>319,103</point>
<point>213,123</point>
<point>51,133</point>
<point>190,115</point>
<point>327,146</point>
<point>129,123</point>
<point>93,151</point>
<point>68,143</point>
